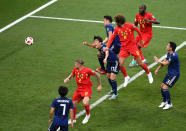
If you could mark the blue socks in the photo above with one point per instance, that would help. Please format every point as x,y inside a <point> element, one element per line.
<point>163,95</point>
<point>113,84</point>
<point>166,95</point>
<point>100,58</point>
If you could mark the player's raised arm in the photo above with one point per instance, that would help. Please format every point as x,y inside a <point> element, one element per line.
<point>88,44</point>
<point>51,115</point>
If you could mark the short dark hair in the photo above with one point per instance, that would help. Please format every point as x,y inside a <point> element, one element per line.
<point>120,20</point>
<point>173,45</point>
<point>98,38</point>
<point>143,7</point>
<point>80,61</point>
<point>62,91</point>
<point>109,18</point>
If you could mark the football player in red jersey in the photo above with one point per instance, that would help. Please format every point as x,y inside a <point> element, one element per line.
<point>145,20</point>
<point>128,46</point>
<point>84,86</point>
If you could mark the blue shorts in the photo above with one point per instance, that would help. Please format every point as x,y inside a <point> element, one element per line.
<point>112,67</point>
<point>54,127</point>
<point>115,47</point>
<point>170,80</point>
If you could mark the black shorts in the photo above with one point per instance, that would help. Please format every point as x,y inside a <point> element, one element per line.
<point>112,67</point>
<point>54,127</point>
<point>170,80</point>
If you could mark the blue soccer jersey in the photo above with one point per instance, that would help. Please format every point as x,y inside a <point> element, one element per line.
<point>112,56</point>
<point>174,66</point>
<point>115,46</point>
<point>101,49</point>
<point>62,106</point>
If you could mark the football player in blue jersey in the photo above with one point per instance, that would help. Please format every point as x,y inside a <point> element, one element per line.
<point>112,70</point>
<point>109,28</point>
<point>100,54</point>
<point>172,60</point>
<point>61,106</point>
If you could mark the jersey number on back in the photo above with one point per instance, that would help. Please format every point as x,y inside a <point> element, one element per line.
<point>64,108</point>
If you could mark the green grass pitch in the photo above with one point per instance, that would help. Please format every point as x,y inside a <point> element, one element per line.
<point>30,75</point>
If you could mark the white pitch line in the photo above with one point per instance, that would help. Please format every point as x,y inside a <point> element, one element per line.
<point>94,21</point>
<point>131,79</point>
<point>27,15</point>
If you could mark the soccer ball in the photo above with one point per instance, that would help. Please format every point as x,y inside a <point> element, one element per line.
<point>29,41</point>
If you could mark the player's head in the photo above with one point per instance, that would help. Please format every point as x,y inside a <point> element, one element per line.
<point>62,91</point>
<point>79,63</point>
<point>120,20</point>
<point>171,46</point>
<point>142,9</point>
<point>107,19</point>
<point>98,41</point>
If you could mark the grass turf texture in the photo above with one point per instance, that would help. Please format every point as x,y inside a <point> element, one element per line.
<point>30,75</point>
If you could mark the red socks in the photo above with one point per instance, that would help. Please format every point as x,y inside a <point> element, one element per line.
<point>144,66</point>
<point>124,71</point>
<point>87,108</point>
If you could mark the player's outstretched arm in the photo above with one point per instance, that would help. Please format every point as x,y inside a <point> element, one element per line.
<point>88,44</point>
<point>99,81</point>
<point>51,115</point>
<point>153,21</point>
<point>68,78</point>
<point>71,117</point>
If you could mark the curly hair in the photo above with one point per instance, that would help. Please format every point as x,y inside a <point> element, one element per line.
<point>120,20</point>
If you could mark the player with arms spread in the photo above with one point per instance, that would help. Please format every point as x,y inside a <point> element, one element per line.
<point>61,106</point>
<point>84,86</point>
<point>145,20</point>
<point>128,46</point>
<point>171,77</point>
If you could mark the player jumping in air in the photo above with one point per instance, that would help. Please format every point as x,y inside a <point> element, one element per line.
<point>171,77</point>
<point>145,20</point>
<point>84,87</point>
<point>61,106</point>
<point>112,69</point>
<point>109,28</point>
<point>128,46</point>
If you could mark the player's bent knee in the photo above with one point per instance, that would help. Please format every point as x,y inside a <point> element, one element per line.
<point>98,54</point>
<point>164,86</point>
<point>86,101</point>
<point>113,76</point>
<point>108,75</point>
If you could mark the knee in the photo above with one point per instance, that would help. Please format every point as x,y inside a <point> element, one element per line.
<point>108,75</point>
<point>112,78</point>
<point>85,103</point>
<point>98,54</point>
